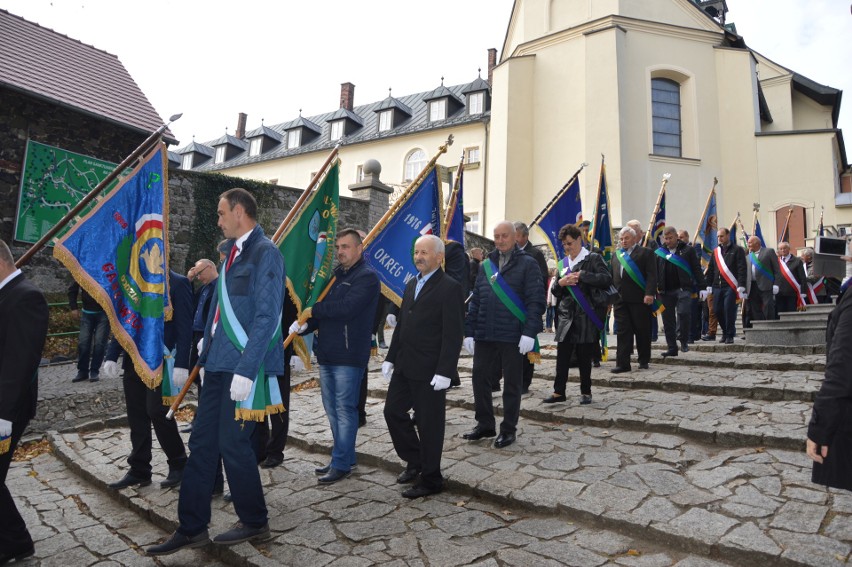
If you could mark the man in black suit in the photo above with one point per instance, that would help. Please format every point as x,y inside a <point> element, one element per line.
<point>791,283</point>
<point>522,236</point>
<point>761,280</point>
<point>726,276</point>
<point>145,405</point>
<point>632,315</point>
<point>23,328</point>
<point>678,275</point>
<point>422,359</point>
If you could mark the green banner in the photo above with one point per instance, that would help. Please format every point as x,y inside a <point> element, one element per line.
<point>53,181</point>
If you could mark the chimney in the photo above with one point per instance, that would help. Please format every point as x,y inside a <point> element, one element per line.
<point>240,132</point>
<point>347,95</point>
<point>492,62</point>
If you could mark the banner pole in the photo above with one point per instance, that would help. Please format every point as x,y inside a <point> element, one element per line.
<point>666,177</point>
<point>703,218</point>
<point>553,201</point>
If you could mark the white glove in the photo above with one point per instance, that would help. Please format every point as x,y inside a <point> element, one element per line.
<point>440,382</point>
<point>201,375</point>
<point>702,295</point>
<point>179,376</point>
<point>775,290</point>
<point>391,320</point>
<point>296,364</point>
<point>387,370</point>
<point>110,369</point>
<point>526,344</point>
<point>709,290</point>
<point>297,328</point>
<point>468,343</point>
<point>240,388</point>
<point>741,292</point>
<point>5,428</point>
<point>200,345</point>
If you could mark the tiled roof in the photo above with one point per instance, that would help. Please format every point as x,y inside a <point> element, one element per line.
<point>415,104</point>
<point>48,65</point>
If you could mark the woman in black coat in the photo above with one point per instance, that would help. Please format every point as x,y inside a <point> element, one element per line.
<point>829,441</point>
<point>576,332</point>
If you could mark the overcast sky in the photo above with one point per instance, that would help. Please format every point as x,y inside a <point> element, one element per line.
<point>212,60</point>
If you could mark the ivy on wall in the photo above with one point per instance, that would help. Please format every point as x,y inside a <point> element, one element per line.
<point>206,189</point>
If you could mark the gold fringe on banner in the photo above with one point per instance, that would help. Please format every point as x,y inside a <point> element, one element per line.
<point>5,445</point>
<point>277,408</point>
<point>241,414</point>
<point>534,357</point>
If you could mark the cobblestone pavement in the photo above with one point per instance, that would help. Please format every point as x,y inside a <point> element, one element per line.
<point>693,462</point>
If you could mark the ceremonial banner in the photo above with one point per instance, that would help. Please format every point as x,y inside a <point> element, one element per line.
<point>391,251</point>
<point>118,253</point>
<point>660,220</point>
<point>757,232</point>
<point>566,208</point>
<point>707,228</point>
<point>600,230</point>
<point>307,246</point>
<point>454,221</point>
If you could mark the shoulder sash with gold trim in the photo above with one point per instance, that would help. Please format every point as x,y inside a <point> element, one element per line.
<point>265,397</point>
<point>510,299</point>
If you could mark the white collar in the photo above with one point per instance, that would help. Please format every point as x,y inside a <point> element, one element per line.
<point>583,253</point>
<point>10,277</point>
<point>242,240</point>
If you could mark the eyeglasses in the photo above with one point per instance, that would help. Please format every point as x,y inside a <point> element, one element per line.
<point>568,243</point>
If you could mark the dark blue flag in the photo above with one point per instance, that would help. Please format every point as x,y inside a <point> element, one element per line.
<point>601,227</point>
<point>566,209</point>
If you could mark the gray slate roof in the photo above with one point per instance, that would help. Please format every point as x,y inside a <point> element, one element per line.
<point>48,65</point>
<point>419,122</point>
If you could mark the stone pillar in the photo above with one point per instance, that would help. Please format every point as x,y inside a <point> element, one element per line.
<point>371,189</point>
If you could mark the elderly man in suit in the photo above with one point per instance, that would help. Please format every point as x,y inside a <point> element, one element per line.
<point>23,328</point>
<point>792,280</point>
<point>761,280</point>
<point>422,360</point>
<point>634,274</point>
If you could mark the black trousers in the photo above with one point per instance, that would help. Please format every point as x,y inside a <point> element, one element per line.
<point>633,320</point>
<point>14,537</point>
<point>761,304</point>
<point>504,356</point>
<point>784,304</point>
<point>362,398</point>
<point>272,439</point>
<point>564,352</point>
<point>529,368</point>
<point>677,316</point>
<point>418,442</point>
<point>144,408</point>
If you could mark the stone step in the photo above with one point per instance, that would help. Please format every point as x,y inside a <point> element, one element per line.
<point>790,325</point>
<point>363,520</point>
<point>793,334</point>
<point>747,505</point>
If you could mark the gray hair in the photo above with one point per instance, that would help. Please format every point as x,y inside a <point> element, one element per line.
<point>809,252</point>
<point>670,230</point>
<point>437,242</point>
<point>522,228</point>
<point>627,230</point>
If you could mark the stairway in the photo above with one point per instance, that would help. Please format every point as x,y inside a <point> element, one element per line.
<point>796,328</point>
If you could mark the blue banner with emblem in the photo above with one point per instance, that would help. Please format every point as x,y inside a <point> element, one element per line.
<point>660,221</point>
<point>391,251</point>
<point>566,209</point>
<point>118,253</point>
<point>707,230</point>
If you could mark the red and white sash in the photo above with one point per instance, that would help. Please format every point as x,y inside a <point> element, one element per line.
<point>791,280</point>
<point>726,273</point>
<point>813,289</point>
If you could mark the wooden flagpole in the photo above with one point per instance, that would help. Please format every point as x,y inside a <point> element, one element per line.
<point>451,204</point>
<point>666,177</point>
<point>703,219</point>
<point>553,201</point>
<point>784,236</point>
<point>143,149</point>
<point>305,194</point>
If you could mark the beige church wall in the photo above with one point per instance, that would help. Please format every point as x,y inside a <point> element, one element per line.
<point>777,92</point>
<point>809,114</point>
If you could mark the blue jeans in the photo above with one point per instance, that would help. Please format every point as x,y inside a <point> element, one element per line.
<point>340,386</point>
<point>215,432</point>
<point>725,305</point>
<point>94,332</point>
<point>549,316</point>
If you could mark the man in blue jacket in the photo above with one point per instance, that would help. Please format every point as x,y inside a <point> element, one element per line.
<point>344,320</point>
<point>249,298</point>
<point>503,320</point>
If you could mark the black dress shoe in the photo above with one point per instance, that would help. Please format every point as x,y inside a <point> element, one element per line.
<point>620,369</point>
<point>320,471</point>
<point>585,399</point>
<point>669,352</point>
<point>596,364</point>
<point>228,497</point>
<point>554,398</point>
<point>504,440</point>
<point>177,542</point>
<point>643,366</point>
<point>729,341</point>
<point>724,339</point>
<point>24,551</point>
<point>478,433</point>
<point>173,479</point>
<point>407,476</point>
<point>81,376</point>
<point>334,475</point>
<point>129,480</point>
<point>362,421</point>
<point>271,462</point>
<point>419,490</point>
<point>684,347</point>
<point>708,338</point>
<point>241,532</point>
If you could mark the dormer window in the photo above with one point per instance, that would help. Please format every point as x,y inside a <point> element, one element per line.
<point>437,110</point>
<point>186,162</point>
<point>337,129</point>
<point>385,120</point>
<point>220,154</point>
<point>476,103</point>
<point>256,146</point>
<point>294,138</point>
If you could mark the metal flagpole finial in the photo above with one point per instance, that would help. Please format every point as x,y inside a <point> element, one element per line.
<point>756,206</point>
<point>175,117</point>
<point>584,164</point>
<point>666,176</point>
